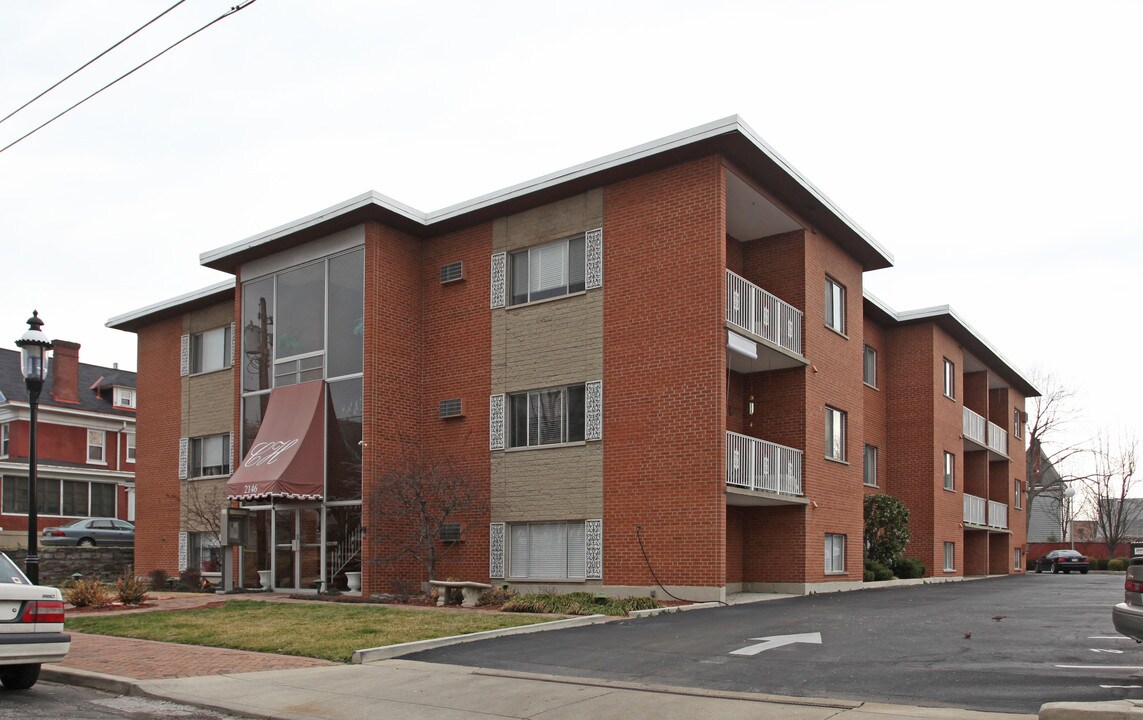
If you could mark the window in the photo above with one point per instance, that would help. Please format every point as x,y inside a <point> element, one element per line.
<point>950,557</point>
<point>1016,559</point>
<point>870,370</point>
<point>834,553</point>
<point>950,471</point>
<point>123,397</point>
<point>210,350</point>
<point>834,434</point>
<point>204,552</point>
<point>75,498</point>
<point>547,417</point>
<point>96,440</point>
<point>210,456</point>
<point>1017,495</point>
<point>834,306</point>
<point>870,465</point>
<point>1017,425</point>
<point>549,551</point>
<point>130,447</point>
<point>4,439</point>
<point>950,379</point>
<point>547,271</point>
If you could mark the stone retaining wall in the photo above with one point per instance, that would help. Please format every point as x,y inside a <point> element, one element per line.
<point>60,563</point>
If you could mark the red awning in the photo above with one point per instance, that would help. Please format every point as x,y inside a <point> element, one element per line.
<point>287,459</point>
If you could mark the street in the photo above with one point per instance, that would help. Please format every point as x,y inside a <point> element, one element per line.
<point>1003,644</point>
<point>65,702</point>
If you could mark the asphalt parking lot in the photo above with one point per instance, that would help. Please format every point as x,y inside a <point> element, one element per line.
<point>1002,644</point>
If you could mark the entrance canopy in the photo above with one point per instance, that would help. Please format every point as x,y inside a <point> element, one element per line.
<point>287,459</point>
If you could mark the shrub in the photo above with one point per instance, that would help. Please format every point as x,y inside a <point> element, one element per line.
<point>868,576</point>
<point>579,603</point>
<point>1118,564</point>
<point>907,568</point>
<point>190,580</point>
<point>87,593</point>
<point>497,595</point>
<point>877,570</point>
<point>1099,563</point>
<point>129,590</point>
<point>886,528</point>
<point>158,579</point>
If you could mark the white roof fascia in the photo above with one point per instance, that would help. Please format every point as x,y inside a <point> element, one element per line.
<point>170,303</point>
<point>936,311</point>
<point>724,126</point>
<point>363,200</point>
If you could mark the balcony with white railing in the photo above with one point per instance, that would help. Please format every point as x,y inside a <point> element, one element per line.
<point>752,309</point>
<point>997,439</point>
<point>754,464</point>
<point>997,515</point>
<point>975,427</point>
<point>975,510</point>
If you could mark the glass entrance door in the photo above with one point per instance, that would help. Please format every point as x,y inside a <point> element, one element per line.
<point>297,547</point>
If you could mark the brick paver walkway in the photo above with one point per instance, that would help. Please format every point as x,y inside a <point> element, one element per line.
<point>151,660</point>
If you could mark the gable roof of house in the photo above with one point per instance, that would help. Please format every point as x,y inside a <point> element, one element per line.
<point>729,137</point>
<point>951,322</point>
<point>13,389</point>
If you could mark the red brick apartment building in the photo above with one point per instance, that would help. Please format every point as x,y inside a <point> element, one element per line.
<point>85,443</point>
<point>659,364</point>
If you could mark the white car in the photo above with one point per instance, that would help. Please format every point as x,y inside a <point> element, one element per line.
<point>31,627</point>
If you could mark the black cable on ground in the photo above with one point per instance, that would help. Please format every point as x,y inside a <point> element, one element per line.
<point>646,559</point>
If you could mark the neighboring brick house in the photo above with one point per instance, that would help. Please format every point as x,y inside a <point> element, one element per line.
<point>85,442</point>
<point>649,367</point>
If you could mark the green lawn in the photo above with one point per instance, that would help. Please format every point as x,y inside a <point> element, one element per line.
<point>330,632</point>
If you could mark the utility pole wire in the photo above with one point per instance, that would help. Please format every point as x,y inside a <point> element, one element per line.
<point>223,16</point>
<point>74,72</point>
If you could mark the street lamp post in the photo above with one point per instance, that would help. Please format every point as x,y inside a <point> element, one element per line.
<point>33,345</point>
<point>1069,493</point>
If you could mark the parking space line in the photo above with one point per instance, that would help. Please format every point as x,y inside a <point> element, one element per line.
<point>1101,667</point>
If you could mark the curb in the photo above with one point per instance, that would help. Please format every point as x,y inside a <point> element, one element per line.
<point>392,651</point>
<point>671,609</point>
<point>88,679</point>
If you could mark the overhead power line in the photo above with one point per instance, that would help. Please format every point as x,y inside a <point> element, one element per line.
<point>228,13</point>
<point>81,67</point>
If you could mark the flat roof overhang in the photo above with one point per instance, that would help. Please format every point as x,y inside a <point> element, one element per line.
<point>729,138</point>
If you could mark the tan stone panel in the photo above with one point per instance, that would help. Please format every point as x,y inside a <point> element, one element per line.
<point>209,403</point>
<point>547,344</point>
<point>215,316</point>
<point>558,483</point>
<point>557,220</point>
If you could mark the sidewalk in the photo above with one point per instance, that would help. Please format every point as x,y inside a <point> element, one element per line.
<point>279,686</point>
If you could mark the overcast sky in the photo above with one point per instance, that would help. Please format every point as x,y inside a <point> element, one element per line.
<point>994,148</point>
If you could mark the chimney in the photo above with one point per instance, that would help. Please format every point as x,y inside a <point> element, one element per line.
<point>65,371</point>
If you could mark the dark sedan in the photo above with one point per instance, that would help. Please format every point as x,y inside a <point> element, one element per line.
<point>1062,561</point>
<point>90,532</point>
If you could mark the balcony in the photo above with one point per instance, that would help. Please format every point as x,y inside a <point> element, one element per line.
<point>980,434</point>
<point>985,513</point>
<point>766,333</point>
<point>758,465</point>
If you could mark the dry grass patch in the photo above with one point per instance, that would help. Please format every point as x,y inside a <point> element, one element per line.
<point>329,632</point>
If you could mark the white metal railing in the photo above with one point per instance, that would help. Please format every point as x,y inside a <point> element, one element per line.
<point>974,510</point>
<point>997,438</point>
<point>759,465</point>
<point>346,551</point>
<point>997,515</point>
<point>974,426</point>
<point>757,311</point>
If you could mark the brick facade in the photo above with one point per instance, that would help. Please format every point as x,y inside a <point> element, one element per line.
<point>674,220</point>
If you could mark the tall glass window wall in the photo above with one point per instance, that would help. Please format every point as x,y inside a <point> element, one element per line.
<point>307,323</point>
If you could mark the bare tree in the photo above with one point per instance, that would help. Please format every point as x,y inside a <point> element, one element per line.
<point>1049,456</point>
<point>418,503</point>
<point>202,504</point>
<point>1110,489</point>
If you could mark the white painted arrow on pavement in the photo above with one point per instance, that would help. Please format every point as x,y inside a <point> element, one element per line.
<point>769,643</point>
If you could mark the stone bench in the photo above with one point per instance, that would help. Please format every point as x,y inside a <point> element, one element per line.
<point>214,578</point>
<point>470,591</point>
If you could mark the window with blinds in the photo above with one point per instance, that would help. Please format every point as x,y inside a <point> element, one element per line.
<point>210,456</point>
<point>547,551</point>
<point>547,271</point>
<point>547,417</point>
